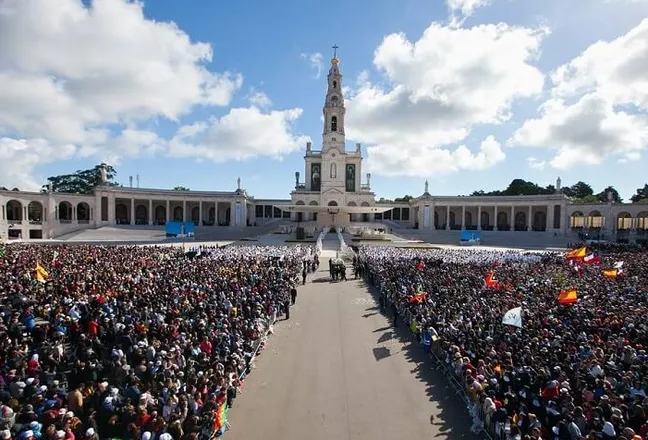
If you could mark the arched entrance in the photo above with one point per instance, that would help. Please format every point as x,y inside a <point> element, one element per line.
<point>160,215</point>
<point>141,215</point>
<point>83,212</point>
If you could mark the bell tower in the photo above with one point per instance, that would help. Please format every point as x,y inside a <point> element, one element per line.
<point>333,135</point>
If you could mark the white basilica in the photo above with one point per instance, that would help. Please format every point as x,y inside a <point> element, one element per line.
<point>332,193</point>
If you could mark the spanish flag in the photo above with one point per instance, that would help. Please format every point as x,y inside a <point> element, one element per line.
<point>41,273</point>
<point>567,296</point>
<point>577,253</point>
<point>612,273</point>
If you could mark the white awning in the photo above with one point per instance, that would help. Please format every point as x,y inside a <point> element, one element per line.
<point>335,209</point>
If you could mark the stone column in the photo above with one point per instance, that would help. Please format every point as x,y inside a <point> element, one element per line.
<point>512,218</point>
<point>97,210</point>
<point>495,219</point>
<point>479,225</point>
<point>168,211</point>
<point>184,210</point>
<point>132,212</point>
<point>447,217</point>
<point>200,213</point>
<point>111,209</point>
<point>563,215</point>
<point>463,217</point>
<point>530,219</point>
<point>432,208</point>
<point>150,212</point>
<point>232,218</point>
<point>74,214</point>
<point>550,217</point>
<point>244,213</point>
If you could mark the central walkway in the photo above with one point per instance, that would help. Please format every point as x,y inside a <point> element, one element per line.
<point>337,371</point>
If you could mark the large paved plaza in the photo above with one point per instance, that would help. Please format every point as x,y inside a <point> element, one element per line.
<point>338,370</point>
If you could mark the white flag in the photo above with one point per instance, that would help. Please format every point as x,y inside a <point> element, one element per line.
<point>513,317</point>
<point>618,265</point>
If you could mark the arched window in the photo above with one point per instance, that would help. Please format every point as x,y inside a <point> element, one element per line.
<point>335,84</point>
<point>333,173</point>
<point>334,123</point>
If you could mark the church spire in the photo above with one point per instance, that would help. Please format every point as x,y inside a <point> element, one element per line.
<point>333,135</point>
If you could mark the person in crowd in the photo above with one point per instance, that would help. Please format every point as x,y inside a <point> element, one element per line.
<point>132,342</point>
<point>573,371</point>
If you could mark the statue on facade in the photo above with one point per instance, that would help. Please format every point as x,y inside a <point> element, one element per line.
<point>296,179</point>
<point>103,175</point>
<point>238,184</point>
<point>369,180</point>
<point>427,185</point>
<point>315,177</point>
<point>308,146</point>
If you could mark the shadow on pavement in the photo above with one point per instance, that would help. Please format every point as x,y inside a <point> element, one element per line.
<point>453,420</point>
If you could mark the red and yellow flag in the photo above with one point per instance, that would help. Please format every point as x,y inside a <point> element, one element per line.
<point>577,253</point>
<point>567,296</point>
<point>491,282</point>
<point>612,273</point>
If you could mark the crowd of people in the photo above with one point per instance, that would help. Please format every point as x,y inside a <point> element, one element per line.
<point>572,372</point>
<point>131,342</point>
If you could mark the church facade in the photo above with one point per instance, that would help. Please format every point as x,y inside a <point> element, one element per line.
<point>331,191</point>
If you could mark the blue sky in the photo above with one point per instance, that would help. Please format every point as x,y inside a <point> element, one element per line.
<point>466,100</point>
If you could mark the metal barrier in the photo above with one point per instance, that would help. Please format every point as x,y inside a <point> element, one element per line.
<point>474,403</point>
<point>269,323</point>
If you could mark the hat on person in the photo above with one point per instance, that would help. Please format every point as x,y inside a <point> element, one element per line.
<point>166,436</point>
<point>60,434</point>
<point>608,429</point>
<point>90,432</point>
<point>5,434</point>
<point>146,436</point>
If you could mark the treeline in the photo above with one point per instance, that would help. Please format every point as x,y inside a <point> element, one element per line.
<point>579,192</point>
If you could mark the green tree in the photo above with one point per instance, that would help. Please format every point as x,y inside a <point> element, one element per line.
<point>181,188</point>
<point>82,181</point>
<point>578,191</point>
<point>518,187</point>
<point>640,195</point>
<point>603,195</point>
<point>405,199</point>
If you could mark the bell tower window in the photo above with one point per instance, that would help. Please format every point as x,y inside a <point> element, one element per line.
<point>335,84</point>
<point>334,123</point>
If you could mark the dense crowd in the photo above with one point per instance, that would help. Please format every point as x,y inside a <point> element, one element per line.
<point>132,343</point>
<point>571,372</point>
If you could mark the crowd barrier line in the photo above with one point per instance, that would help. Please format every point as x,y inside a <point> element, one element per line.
<point>481,420</point>
<point>241,377</point>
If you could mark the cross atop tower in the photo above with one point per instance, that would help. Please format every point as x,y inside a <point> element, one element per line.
<point>335,48</point>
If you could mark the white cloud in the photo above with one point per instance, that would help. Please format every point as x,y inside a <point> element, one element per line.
<point>72,75</point>
<point>536,163</point>
<point>260,99</point>
<point>465,8</point>
<point>437,89</point>
<point>437,161</point>
<point>18,157</point>
<point>315,60</point>
<point>241,134</point>
<point>597,105</point>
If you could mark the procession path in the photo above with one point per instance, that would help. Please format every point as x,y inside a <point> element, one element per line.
<point>338,370</point>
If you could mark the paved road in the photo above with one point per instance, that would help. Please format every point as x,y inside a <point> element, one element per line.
<point>337,371</point>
